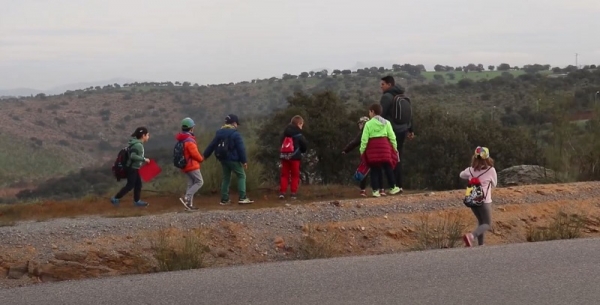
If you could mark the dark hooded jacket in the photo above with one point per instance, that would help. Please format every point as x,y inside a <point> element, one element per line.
<point>299,141</point>
<point>386,103</point>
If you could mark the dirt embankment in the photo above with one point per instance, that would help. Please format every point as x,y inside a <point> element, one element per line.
<point>62,249</point>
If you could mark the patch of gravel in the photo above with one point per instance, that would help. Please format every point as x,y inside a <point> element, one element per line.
<point>288,218</point>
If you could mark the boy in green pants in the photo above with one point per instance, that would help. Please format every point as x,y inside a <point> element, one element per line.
<point>229,149</point>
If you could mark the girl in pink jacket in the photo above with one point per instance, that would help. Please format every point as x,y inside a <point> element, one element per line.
<point>482,167</point>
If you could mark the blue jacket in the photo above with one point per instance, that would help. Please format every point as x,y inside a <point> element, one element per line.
<point>236,151</point>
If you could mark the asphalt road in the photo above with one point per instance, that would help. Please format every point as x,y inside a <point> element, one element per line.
<point>560,272</point>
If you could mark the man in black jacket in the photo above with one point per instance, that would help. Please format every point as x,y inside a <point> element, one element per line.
<point>402,128</point>
<point>354,144</point>
<point>293,145</point>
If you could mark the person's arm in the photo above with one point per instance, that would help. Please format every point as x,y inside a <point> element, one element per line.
<point>465,174</point>
<point>135,153</point>
<point>194,152</point>
<point>364,139</point>
<point>386,103</point>
<point>353,144</point>
<point>210,148</point>
<point>391,135</point>
<point>303,144</point>
<point>494,180</point>
<point>239,146</point>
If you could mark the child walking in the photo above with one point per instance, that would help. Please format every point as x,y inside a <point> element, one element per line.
<point>354,144</point>
<point>194,159</point>
<point>378,150</point>
<point>135,161</point>
<point>482,167</point>
<point>293,145</point>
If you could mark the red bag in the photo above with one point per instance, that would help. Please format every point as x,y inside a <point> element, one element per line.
<point>362,171</point>
<point>287,147</point>
<point>149,171</point>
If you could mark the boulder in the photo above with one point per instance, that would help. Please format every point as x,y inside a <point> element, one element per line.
<point>525,174</point>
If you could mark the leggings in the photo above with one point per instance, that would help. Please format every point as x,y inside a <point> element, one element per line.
<point>484,220</point>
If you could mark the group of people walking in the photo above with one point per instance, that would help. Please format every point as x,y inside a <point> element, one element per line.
<point>380,141</point>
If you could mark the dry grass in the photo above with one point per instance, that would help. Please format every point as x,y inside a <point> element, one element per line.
<point>443,233</point>
<point>179,252</point>
<point>313,245</point>
<point>563,226</point>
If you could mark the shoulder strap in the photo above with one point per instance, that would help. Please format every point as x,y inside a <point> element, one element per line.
<point>483,172</point>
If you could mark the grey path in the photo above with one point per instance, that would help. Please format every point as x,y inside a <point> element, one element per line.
<point>561,272</point>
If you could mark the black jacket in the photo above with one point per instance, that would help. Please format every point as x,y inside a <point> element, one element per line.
<point>299,140</point>
<point>354,143</point>
<point>386,103</point>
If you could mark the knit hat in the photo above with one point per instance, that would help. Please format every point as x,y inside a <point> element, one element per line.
<point>482,152</point>
<point>188,123</point>
<point>363,119</point>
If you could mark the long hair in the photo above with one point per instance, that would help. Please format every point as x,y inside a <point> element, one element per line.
<point>479,163</point>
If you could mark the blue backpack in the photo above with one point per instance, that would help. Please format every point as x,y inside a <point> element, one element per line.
<point>223,146</point>
<point>179,159</point>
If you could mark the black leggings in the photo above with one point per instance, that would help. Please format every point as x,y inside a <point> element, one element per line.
<point>134,182</point>
<point>377,176</point>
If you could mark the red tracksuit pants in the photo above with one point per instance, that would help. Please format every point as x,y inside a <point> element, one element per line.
<point>290,170</point>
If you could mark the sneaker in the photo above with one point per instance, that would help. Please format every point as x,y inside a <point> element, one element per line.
<point>468,239</point>
<point>245,201</point>
<point>140,203</point>
<point>114,201</point>
<point>376,194</point>
<point>395,190</point>
<point>184,201</point>
<point>363,193</point>
<point>281,196</point>
<point>294,197</point>
<point>225,202</point>
<point>382,192</point>
<point>191,207</point>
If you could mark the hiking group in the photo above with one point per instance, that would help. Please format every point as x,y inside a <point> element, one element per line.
<point>380,141</point>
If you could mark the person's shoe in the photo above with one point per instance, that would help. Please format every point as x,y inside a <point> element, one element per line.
<point>294,197</point>
<point>376,194</point>
<point>184,201</point>
<point>382,192</point>
<point>395,190</point>
<point>363,193</point>
<point>114,201</point>
<point>245,201</point>
<point>281,196</point>
<point>140,203</point>
<point>468,239</point>
<point>225,202</point>
<point>191,207</point>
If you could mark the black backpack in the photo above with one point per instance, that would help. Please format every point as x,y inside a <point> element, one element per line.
<point>179,159</point>
<point>401,111</point>
<point>222,149</point>
<point>120,166</point>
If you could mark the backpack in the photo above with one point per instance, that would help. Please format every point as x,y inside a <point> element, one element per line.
<point>120,166</point>
<point>401,110</point>
<point>222,149</point>
<point>474,194</point>
<point>288,149</point>
<point>179,159</point>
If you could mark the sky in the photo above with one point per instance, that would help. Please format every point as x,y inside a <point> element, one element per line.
<point>47,43</point>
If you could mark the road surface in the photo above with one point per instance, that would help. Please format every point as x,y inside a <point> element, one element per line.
<point>560,272</point>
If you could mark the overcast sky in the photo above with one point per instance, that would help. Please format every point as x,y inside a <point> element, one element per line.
<point>46,43</point>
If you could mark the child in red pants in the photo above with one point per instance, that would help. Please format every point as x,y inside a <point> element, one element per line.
<point>293,145</point>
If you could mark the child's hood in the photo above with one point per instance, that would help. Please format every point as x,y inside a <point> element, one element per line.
<point>184,135</point>
<point>377,123</point>
<point>133,141</point>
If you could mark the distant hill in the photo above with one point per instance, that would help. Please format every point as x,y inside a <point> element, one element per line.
<point>86,126</point>
<point>24,92</point>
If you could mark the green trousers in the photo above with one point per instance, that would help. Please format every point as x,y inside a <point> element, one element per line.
<point>236,167</point>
